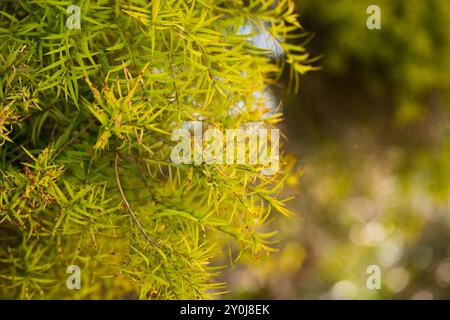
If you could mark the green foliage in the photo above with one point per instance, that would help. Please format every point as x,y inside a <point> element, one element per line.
<point>407,60</point>
<point>375,190</point>
<point>85,124</point>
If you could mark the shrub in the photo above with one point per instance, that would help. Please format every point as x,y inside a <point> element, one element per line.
<point>85,123</point>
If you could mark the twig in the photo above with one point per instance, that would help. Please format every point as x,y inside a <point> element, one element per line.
<point>127,205</point>
<point>147,237</point>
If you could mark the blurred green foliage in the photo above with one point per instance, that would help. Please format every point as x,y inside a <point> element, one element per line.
<point>372,131</point>
<point>408,59</point>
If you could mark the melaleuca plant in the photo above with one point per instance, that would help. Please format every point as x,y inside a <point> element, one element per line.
<point>87,111</point>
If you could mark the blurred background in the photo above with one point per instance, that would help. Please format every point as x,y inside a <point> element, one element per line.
<point>372,132</point>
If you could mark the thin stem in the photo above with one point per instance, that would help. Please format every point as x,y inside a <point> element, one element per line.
<point>127,205</point>
<point>146,236</point>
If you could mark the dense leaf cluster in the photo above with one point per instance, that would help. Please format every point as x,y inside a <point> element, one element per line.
<point>85,123</point>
